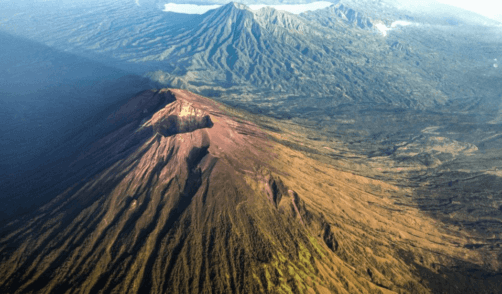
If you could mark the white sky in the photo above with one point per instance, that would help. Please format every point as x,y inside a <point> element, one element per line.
<point>189,8</point>
<point>200,9</point>
<point>295,8</point>
<point>489,8</point>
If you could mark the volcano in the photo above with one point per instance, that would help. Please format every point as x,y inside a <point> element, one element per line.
<point>186,195</point>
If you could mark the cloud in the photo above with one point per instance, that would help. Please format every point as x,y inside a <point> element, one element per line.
<point>384,29</point>
<point>488,8</point>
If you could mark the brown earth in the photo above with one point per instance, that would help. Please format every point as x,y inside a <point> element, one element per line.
<point>188,196</point>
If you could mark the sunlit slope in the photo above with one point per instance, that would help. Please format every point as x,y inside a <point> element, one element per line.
<point>188,196</point>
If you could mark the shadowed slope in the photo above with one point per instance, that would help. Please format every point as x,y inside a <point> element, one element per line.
<point>161,214</point>
<point>186,196</point>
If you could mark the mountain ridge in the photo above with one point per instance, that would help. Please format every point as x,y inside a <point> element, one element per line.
<point>284,57</point>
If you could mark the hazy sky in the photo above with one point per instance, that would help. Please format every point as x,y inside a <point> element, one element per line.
<point>199,9</point>
<point>489,8</point>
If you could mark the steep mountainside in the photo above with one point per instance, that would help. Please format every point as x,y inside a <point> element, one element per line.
<point>362,53</point>
<point>280,54</point>
<point>186,195</point>
<point>232,51</point>
<point>340,13</point>
<point>382,175</point>
<point>46,97</point>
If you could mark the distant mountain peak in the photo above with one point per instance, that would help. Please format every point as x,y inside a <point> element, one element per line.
<point>238,5</point>
<point>231,10</point>
<point>343,13</point>
<point>234,5</point>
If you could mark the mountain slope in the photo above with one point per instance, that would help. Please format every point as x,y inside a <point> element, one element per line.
<point>46,97</point>
<point>269,51</point>
<point>232,51</point>
<point>277,62</point>
<point>340,13</point>
<point>185,195</point>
